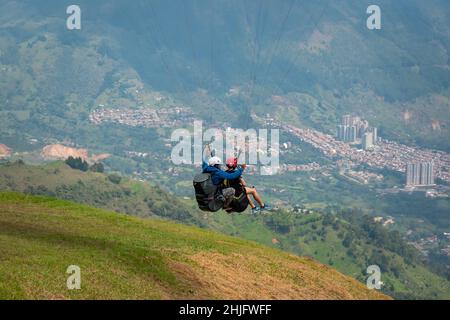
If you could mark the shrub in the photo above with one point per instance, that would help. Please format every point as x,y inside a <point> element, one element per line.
<point>114,178</point>
<point>97,167</point>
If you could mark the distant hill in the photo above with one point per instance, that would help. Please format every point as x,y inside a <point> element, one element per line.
<point>123,257</point>
<point>107,191</point>
<point>225,60</point>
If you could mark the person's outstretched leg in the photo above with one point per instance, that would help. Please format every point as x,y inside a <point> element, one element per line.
<point>250,202</point>
<point>255,195</point>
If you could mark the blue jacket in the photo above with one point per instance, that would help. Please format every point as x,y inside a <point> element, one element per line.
<point>217,175</point>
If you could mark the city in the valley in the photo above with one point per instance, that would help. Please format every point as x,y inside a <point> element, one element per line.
<point>355,142</point>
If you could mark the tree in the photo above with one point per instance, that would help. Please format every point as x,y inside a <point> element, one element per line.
<point>97,167</point>
<point>77,164</point>
<point>347,240</point>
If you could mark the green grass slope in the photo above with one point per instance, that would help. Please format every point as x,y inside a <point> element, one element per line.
<point>345,243</point>
<point>133,258</point>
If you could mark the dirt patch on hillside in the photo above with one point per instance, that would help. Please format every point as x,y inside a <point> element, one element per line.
<point>60,152</point>
<point>5,151</point>
<point>252,277</point>
<point>100,157</point>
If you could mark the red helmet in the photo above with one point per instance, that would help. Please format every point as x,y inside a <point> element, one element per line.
<point>232,163</point>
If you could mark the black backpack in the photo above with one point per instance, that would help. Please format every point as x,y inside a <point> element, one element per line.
<point>239,203</point>
<point>206,193</point>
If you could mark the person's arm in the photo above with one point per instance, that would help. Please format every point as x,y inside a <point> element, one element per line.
<point>230,176</point>
<point>206,153</point>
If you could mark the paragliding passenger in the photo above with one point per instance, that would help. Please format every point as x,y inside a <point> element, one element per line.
<point>240,183</point>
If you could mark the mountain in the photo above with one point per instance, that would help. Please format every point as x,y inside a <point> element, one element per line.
<point>348,241</point>
<point>126,257</point>
<point>225,60</point>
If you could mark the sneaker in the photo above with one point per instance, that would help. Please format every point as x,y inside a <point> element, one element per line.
<point>267,207</point>
<point>256,210</point>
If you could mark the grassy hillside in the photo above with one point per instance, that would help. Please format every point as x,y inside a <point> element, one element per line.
<point>346,242</point>
<point>127,257</point>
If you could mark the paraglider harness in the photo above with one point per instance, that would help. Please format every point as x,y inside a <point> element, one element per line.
<point>240,201</point>
<point>209,196</point>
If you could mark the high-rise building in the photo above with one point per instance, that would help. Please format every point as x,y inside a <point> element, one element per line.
<point>353,128</point>
<point>420,174</point>
<point>352,134</point>
<point>423,173</point>
<point>347,120</point>
<point>431,174</point>
<point>355,120</point>
<point>416,173</point>
<point>375,135</point>
<point>409,174</point>
<point>341,132</point>
<point>346,133</point>
<point>367,141</point>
